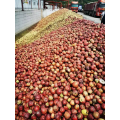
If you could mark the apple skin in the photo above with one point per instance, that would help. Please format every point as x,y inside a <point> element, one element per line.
<point>103,106</point>
<point>90,117</point>
<point>87,104</point>
<point>96,114</point>
<point>91,108</point>
<point>80,116</point>
<point>97,107</point>
<point>100,112</point>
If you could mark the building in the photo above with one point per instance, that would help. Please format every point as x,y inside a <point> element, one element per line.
<point>28,4</point>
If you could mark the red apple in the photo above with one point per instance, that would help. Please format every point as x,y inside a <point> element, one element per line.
<point>90,117</point>
<point>87,104</point>
<point>91,109</point>
<point>97,107</point>
<point>103,105</point>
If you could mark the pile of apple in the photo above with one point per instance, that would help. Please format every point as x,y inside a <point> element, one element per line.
<point>58,77</point>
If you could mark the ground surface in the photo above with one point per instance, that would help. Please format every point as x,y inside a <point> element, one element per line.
<point>87,17</point>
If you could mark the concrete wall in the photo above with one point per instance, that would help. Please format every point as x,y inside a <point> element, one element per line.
<point>25,19</point>
<point>28,5</point>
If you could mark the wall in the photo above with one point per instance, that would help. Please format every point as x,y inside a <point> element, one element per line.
<point>25,19</point>
<point>28,5</point>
